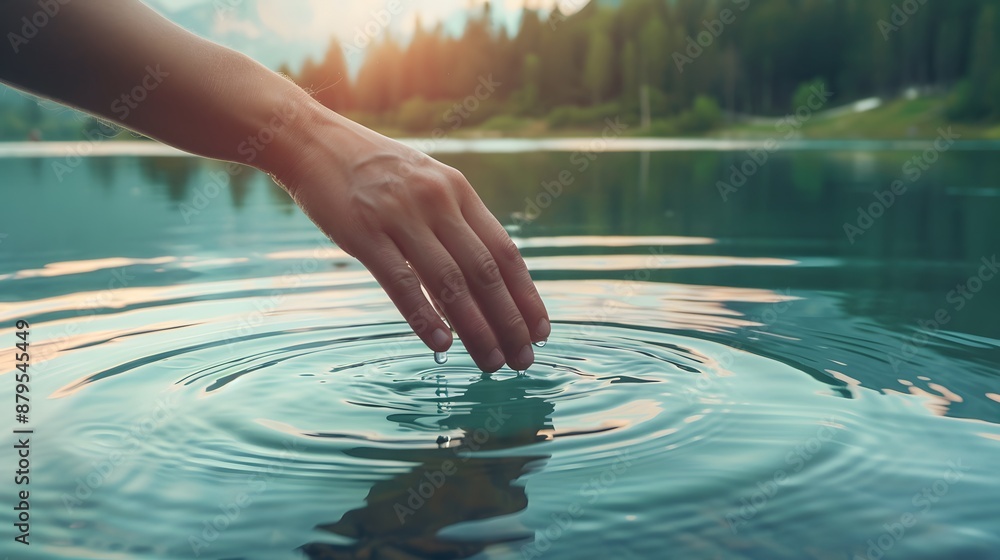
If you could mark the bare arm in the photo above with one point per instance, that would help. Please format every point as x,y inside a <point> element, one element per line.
<point>384,203</point>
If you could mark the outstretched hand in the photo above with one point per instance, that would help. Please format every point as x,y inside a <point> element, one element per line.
<point>414,221</point>
<point>411,220</point>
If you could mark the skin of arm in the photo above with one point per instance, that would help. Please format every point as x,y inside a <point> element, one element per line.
<point>408,218</point>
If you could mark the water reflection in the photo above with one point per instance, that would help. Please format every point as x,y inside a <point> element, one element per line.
<point>455,483</point>
<point>703,334</point>
<point>796,198</point>
<point>173,173</point>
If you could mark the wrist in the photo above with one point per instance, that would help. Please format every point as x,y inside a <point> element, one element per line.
<point>289,128</point>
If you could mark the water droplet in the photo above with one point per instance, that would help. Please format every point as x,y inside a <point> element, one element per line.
<point>539,344</point>
<point>440,357</point>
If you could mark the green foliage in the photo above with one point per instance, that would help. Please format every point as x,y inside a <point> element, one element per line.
<point>964,104</point>
<point>702,117</point>
<point>805,93</point>
<point>568,116</point>
<point>597,73</point>
<point>506,123</point>
<point>663,127</point>
<point>417,115</point>
<point>623,55</point>
<point>526,100</point>
<point>978,97</point>
<point>661,104</point>
<point>630,76</point>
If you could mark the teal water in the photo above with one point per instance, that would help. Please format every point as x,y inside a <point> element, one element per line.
<point>727,378</point>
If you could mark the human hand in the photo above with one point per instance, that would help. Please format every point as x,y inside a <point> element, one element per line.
<point>412,220</point>
<point>381,201</point>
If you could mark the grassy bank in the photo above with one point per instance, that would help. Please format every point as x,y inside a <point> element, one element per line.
<point>893,120</point>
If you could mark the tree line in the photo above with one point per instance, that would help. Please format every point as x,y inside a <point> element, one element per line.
<point>656,58</point>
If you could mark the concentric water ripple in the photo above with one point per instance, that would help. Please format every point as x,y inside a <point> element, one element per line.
<point>657,416</point>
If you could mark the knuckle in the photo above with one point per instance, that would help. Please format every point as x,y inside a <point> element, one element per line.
<point>420,320</point>
<point>515,328</point>
<point>403,280</point>
<point>506,249</point>
<point>366,210</point>
<point>479,332</point>
<point>455,177</point>
<point>460,186</point>
<point>487,271</point>
<point>383,191</point>
<point>453,284</point>
<point>431,193</point>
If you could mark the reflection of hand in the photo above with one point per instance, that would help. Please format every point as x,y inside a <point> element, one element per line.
<point>389,205</point>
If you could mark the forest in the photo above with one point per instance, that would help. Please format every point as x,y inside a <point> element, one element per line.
<point>692,61</point>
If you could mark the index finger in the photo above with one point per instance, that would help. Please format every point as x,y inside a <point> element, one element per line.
<point>512,268</point>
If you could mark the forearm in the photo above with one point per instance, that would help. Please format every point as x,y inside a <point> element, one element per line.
<point>410,219</point>
<point>122,61</point>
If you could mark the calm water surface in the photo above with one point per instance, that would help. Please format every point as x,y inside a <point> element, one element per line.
<point>727,378</point>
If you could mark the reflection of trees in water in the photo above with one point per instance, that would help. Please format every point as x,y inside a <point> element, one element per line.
<point>39,167</point>
<point>280,197</point>
<point>799,195</point>
<point>103,170</point>
<point>792,206</point>
<point>173,172</point>
<point>239,184</point>
<point>186,178</point>
<point>403,515</point>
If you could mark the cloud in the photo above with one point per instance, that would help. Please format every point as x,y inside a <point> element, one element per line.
<point>226,25</point>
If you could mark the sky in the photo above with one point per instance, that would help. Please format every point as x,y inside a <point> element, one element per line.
<point>276,31</point>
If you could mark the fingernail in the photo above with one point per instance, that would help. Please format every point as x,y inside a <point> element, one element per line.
<point>543,330</point>
<point>495,360</point>
<point>526,356</point>
<point>440,338</point>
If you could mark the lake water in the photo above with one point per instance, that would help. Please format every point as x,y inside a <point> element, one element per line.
<point>728,376</point>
